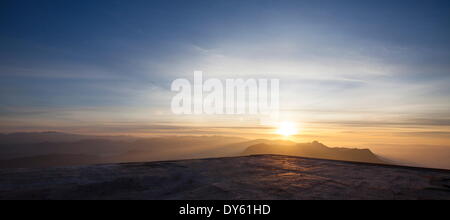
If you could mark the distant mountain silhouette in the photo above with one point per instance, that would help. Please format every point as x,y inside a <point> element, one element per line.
<point>42,146</point>
<point>176,148</point>
<point>236,149</point>
<point>50,137</point>
<point>99,147</point>
<point>315,150</point>
<point>52,149</point>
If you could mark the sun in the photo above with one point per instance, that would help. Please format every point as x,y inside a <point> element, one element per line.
<point>287,128</point>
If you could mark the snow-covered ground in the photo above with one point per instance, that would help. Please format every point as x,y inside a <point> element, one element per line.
<point>251,177</point>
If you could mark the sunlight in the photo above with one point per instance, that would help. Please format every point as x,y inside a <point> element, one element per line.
<point>287,128</point>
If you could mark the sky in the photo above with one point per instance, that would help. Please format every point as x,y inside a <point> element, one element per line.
<point>351,72</point>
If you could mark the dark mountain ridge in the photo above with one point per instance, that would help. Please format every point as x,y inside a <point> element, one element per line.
<point>52,149</point>
<point>316,150</point>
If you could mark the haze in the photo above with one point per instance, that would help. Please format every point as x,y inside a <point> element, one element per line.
<point>353,74</point>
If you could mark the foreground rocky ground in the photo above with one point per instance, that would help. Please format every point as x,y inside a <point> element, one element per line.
<point>251,177</point>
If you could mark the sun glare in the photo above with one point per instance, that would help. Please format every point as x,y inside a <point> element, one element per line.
<point>287,128</point>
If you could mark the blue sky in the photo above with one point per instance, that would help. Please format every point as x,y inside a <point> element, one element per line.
<point>71,63</point>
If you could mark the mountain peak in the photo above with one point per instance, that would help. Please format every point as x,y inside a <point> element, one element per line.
<point>317,144</point>
<point>315,149</point>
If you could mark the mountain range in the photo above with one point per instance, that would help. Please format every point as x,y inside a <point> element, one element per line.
<point>53,149</point>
